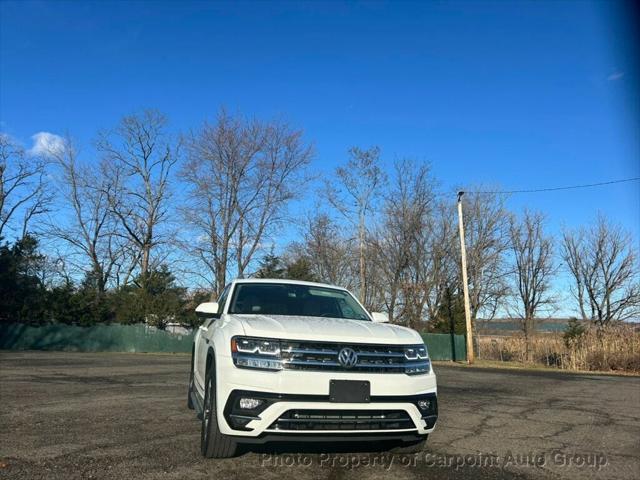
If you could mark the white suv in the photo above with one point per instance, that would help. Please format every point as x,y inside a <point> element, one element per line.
<point>298,361</point>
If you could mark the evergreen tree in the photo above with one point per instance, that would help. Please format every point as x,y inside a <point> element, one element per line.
<point>23,297</point>
<point>300,269</point>
<point>450,315</point>
<point>271,267</point>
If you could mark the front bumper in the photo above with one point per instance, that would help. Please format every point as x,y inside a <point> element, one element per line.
<point>285,391</point>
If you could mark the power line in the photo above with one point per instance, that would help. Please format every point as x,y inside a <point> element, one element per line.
<point>555,189</point>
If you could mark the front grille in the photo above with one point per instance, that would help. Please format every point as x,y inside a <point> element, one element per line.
<point>343,420</point>
<point>324,356</point>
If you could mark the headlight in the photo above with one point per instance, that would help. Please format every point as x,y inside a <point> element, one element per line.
<point>260,353</point>
<point>416,352</point>
<point>256,346</point>
<point>417,360</point>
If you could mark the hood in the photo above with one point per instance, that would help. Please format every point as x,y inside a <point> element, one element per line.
<point>323,329</point>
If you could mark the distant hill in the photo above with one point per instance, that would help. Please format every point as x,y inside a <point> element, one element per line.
<point>506,326</point>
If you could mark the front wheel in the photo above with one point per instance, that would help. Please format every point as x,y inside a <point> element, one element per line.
<point>214,444</point>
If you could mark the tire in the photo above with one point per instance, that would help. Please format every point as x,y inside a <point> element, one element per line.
<point>410,447</point>
<point>190,405</point>
<point>214,444</point>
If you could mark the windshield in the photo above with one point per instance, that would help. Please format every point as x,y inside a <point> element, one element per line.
<point>292,299</point>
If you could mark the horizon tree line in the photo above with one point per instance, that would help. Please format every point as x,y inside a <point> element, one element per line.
<point>120,232</point>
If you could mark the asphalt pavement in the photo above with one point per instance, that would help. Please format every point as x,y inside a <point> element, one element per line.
<point>124,416</point>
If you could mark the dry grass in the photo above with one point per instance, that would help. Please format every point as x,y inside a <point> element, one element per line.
<point>614,348</point>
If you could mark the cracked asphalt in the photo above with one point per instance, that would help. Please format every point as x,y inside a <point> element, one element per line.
<point>80,415</point>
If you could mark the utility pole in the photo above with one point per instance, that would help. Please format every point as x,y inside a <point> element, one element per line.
<point>465,286</point>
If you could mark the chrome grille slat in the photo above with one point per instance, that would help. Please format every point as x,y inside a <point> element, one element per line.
<point>309,351</point>
<point>377,354</point>
<point>310,363</point>
<point>356,367</point>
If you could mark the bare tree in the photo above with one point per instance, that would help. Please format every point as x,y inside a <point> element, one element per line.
<point>398,243</point>
<point>241,176</point>
<point>486,225</point>
<point>533,270</point>
<point>139,155</point>
<point>90,231</point>
<point>23,189</point>
<point>331,256</point>
<point>438,272</point>
<point>354,195</point>
<point>603,263</point>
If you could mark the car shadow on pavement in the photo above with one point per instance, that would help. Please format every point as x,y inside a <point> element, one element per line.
<point>320,448</point>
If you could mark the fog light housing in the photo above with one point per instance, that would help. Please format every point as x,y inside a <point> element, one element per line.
<point>240,423</point>
<point>428,407</point>
<point>250,403</point>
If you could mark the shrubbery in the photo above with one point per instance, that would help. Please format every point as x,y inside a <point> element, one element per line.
<point>26,297</point>
<point>581,347</point>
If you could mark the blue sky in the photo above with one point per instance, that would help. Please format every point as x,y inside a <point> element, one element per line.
<point>511,94</point>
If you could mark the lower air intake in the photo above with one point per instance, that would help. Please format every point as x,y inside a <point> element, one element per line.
<point>343,420</point>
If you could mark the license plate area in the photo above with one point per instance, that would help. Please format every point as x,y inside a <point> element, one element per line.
<point>349,391</point>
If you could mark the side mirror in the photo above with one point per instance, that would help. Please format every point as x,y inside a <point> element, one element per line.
<point>380,317</point>
<point>207,310</point>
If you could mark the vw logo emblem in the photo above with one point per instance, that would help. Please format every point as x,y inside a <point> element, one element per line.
<point>347,357</point>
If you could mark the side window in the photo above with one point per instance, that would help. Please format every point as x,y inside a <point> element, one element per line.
<point>223,299</point>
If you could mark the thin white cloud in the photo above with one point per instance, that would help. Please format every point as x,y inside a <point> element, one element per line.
<point>615,76</point>
<point>46,144</point>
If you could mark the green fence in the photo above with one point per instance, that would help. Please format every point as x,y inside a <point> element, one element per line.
<point>97,338</point>
<point>443,346</point>
<point>139,338</point>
